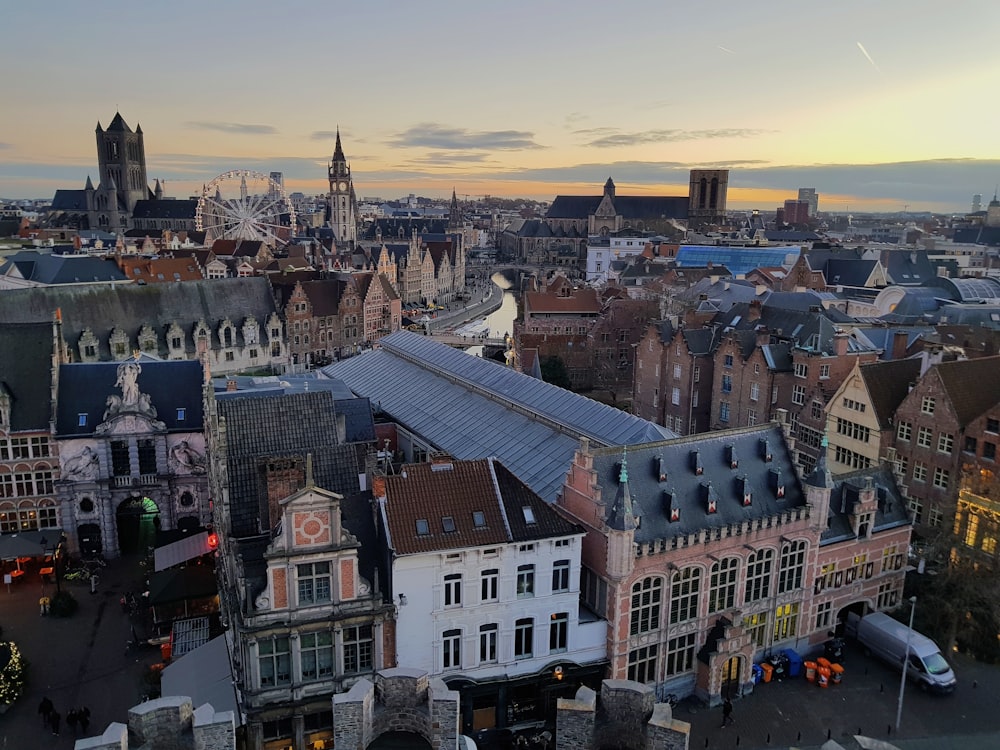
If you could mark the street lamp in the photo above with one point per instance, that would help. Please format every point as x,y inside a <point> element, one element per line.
<point>906,664</point>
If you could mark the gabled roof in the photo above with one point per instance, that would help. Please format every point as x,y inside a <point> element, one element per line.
<point>887,384</point>
<point>324,295</point>
<point>26,373</point>
<point>682,488</point>
<point>583,300</point>
<point>474,408</point>
<point>849,272</point>
<point>972,385</point>
<point>165,209</point>
<point>119,124</point>
<point>174,390</point>
<point>281,426</point>
<point>61,269</point>
<point>631,207</point>
<point>890,513</point>
<point>160,270</point>
<point>69,200</point>
<point>434,506</point>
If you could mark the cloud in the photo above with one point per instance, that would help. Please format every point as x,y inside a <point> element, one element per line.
<point>5,145</point>
<point>455,157</point>
<point>323,135</point>
<point>726,50</point>
<point>437,136</point>
<point>616,138</point>
<point>234,128</point>
<point>869,57</point>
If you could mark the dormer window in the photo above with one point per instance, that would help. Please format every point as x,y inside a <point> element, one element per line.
<point>747,493</point>
<point>765,449</point>
<point>712,506</point>
<point>661,469</point>
<point>734,461</point>
<point>81,420</point>
<point>696,464</point>
<point>711,498</point>
<point>780,491</point>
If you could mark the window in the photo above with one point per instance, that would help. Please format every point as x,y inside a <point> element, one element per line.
<point>904,430</point>
<point>314,583</point>
<point>758,579</point>
<point>525,580</point>
<point>453,590</point>
<point>824,372</point>
<point>487,643</point>
<point>993,425</point>
<point>774,394</point>
<point>754,391</point>
<point>728,360</point>
<point>423,528</point>
<point>529,514</point>
<point>675,396</point>
<point>524,633</point>
<point>275,661</point>
<point>647,596</point>
<point>451,649</point>
<point>916,507</point>
<point>316,650</point>
<point>727,383</point>
<point>941,478</point>
<point>816,409</point>
<point>801,370</point>
<point>786,620</point>
<point>684,591</point>
<point>642,664</point>
<point>798,395</point>
<point>756,627</point>
<point>751,417</point>
<point>278,730</point>
<point>756,368</point>
<point>680,654</point>
<point>448,524</point>
<point>677,372</point>
<point>924,437</point>
<point>560,576</point>
<point>478,519</point>
<point>989,451</point>
<point>697,373</point>
<point>853,430</point>
<point>558,632</point>
<point>945,442</point>
<point>722,585</point>
<point>121,466</point>
<point>824,615</point>
<point>888,595</point>
<point>927,405</point>
<point>919,471</point>
<point>793,558</point>
<point>724,411</point>
<point>489,585</point>
<point>358,649</point>
<point>147,456</point>
<point>970,445</point>
<point>181,414</point>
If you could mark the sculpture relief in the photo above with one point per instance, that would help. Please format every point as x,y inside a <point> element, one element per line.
<point>83,466</point>
<point>187,460</point>
<point>128,381</point>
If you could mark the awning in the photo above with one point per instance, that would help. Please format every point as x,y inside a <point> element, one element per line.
<point>29,543</point>
<point>205,676</point>
<point>182,550</point>
<point>181,584</point>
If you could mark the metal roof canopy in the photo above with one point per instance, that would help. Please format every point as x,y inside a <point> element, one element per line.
<point>181,551</point>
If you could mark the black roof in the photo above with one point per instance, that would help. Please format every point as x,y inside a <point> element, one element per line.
<point>281,426</point>
<point>62,269</point>
<point>891,512</point>
<point>628,207</point>
<point>69,200</point>
<point>688,491</point>
<point>165,209</point>
<point>26,376</point>
<point>174,389</point>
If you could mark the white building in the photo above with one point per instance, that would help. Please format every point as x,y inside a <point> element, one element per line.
<point>486,576</point>
<point>603,251</point>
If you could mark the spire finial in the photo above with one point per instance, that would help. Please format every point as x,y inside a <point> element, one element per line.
<point>623,476</point>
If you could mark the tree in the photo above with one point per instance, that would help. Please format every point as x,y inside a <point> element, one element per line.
<point>554,371</point>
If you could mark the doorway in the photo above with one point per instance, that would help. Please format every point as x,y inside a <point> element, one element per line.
<point>136,519</point>
<point>730,677</point>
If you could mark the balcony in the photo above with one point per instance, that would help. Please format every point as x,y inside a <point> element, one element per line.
<point>143,480</point>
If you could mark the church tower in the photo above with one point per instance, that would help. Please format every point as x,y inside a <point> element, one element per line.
<point>343,210</point>
<point>121,157</point>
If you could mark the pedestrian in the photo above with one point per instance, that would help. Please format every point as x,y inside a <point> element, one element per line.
<point>83,716</point>
<point>45,709</point>
<point>727,712</point>
<point>71,719</point>
<point>54,721</point>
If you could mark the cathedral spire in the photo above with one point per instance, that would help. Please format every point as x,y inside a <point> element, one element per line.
<point>622,512</point>
<point>338,150</point>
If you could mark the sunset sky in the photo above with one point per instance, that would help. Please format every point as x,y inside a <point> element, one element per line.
<point>878,105</point>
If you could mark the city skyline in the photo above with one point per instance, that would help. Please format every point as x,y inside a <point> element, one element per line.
<point>519,100</point>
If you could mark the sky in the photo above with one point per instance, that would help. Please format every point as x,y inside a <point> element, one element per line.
<point>881,105</point>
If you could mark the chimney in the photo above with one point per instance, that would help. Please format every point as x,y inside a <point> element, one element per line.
<point>754,312</point>
<point>378,486</point>
<point>899,339</point>
<point>231,385</point>
<point>840,339</point>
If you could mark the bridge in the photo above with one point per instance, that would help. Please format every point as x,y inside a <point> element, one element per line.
<point>458,340</point>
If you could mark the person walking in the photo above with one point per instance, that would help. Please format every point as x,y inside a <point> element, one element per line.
<point>45,709</point>
<point>727,712</point>
<point>83,716</point>
<point>72,717</point>
<point>54,721</point>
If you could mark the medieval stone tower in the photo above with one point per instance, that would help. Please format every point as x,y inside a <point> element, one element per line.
<point>707,196</point>
<point>121,157</point>
<point>343,204</point>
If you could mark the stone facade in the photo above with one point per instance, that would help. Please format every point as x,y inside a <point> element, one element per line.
<point>168,723</point>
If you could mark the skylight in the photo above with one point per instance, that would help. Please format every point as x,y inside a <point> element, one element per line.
<point>448,524</point>
<point>529,514</point>
<point>478,518</point>
<point>423,528</point>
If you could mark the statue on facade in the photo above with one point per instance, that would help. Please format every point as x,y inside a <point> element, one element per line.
<point>186,459</point>
<point>128,381</point>
<point>83,466</point>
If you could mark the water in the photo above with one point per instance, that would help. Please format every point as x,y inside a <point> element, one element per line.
<point>501,321</point>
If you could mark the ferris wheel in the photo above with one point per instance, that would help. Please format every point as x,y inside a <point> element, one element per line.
<point>245,205</point>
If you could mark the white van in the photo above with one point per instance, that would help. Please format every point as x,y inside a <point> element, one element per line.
<point>886,638</point>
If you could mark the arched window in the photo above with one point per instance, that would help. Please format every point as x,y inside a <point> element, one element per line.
<point>722,588</point>
<point>48,515</point>
<point>759,567</point>
<point>685,588</point>
<point>27,515</point>
<point>792,566</point>
<point>647,596</point>
<point>702,192</point>
<point>8,518</point>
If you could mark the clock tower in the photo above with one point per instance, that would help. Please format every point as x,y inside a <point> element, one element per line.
<point>343,209</point>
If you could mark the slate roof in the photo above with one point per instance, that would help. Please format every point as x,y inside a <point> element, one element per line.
<point>891,513</point>
<point>849,272</point>
<point>627,206</point>
<point>972,385</point>
<point>61,269</point>
<point>455,490</point>
<point>130,306</point>
<point>26,373</point>
<point>807,329</point>
<point>172,387</point>
<point>474,408</point>
<point>165,209</point>
<point>684,489</point>
<point>887,384</point>
<point>69,200</point>
<point>790,235</point>
<point>908,267</point>
<point>285,426</point>
<point>978,235</point>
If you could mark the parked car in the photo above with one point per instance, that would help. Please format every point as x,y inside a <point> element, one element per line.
<point>888,638</point>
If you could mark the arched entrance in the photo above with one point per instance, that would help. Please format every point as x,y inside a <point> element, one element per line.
<point>729,677</point>
<point>858,609</point>
<point>399,741</point>
<point>136,521</point>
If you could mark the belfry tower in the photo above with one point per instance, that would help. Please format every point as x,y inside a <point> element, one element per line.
<point>343,205</point>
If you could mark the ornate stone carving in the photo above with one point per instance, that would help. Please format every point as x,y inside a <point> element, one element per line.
<point>83,466</point>
<point>186,460</point>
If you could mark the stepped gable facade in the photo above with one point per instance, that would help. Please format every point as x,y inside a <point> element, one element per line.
<point>233,322</point>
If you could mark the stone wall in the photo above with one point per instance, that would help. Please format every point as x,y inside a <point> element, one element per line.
<point>626,717</point>
<point>168,723</point>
